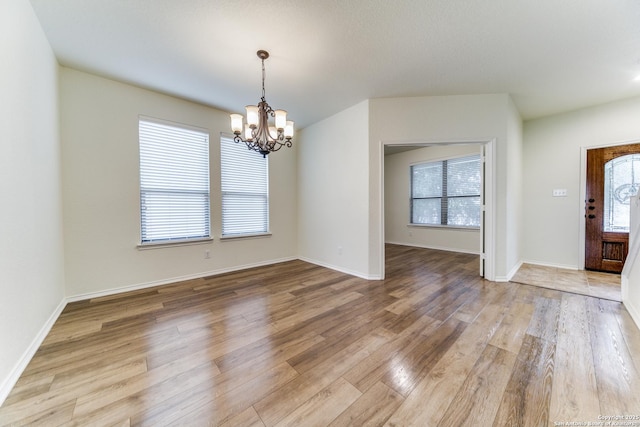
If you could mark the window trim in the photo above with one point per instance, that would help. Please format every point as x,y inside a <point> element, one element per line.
<point>250,234</point>
<point>174,242</point>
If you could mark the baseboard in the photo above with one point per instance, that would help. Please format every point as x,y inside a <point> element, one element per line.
<point>136,287</point>
<point>438,248</point>
<point>633,311</point>
<point>8,383</point>
<point>340,269</point>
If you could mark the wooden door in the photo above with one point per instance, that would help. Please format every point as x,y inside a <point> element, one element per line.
<point>611,180</point>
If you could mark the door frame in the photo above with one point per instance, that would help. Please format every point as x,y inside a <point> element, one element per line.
<point>488,231</point>
<point>583,195</point>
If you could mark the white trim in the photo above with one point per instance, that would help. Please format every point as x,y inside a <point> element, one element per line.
<point>340,269</point>
<point>159,244</point>
<point>489,193</point>
<point>446,227</point>
<point>509,275</point>
<point>10,381</point>
<point>135,287</point>
<point>438,248</point>
<point>634,311</point>
<point>224,237</point>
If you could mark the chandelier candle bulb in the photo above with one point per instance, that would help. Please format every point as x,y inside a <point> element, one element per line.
<point>236,123</point>
<point>252,115</point>
<point>248,135</point>
<point>288,129</point>
<point>281,119</point>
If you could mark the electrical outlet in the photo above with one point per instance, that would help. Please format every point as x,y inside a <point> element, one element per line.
<point>207,254</point>
<point>339,250</point>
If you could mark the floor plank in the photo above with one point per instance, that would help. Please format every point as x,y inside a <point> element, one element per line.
<point>298,344</point>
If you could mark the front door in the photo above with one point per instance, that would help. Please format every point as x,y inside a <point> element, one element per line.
<point>613,176</point>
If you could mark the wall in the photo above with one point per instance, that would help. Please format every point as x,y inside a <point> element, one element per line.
<point>31,249</point>
<point>445,119</point>
<point>513,190</point>
<point>333,198</point>
<point>552,160</point>
<point>397,192</point>
<point>630,277</point>
<point>99,128</point>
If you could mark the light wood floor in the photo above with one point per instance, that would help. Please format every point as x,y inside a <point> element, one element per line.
<point>300,345</point>
<point>583,282</point>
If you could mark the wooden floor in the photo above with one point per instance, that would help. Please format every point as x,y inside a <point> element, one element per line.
<point>299,345</point>
<point>583,282</point>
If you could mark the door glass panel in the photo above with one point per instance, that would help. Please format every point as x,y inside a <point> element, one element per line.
<point>620,185</point>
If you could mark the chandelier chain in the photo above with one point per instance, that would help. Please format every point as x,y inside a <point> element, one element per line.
<point>263,74</point>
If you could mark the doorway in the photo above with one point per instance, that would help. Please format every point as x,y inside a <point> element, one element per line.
<point>612,177</point>
<point>486,246</point>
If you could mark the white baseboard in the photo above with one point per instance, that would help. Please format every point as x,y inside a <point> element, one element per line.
<point>9,382</point>
<point>633,311</point>
<point>509,275</point>
<point>135,287</point>
<point>340,269</point>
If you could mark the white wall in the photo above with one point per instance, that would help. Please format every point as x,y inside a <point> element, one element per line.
<point>397,193</point>
<point>99,132</point>
<point>333,191</point>
<point>31,247</point>
<point>446,119</point>
<point>552,151</point>
<point>514,191</point>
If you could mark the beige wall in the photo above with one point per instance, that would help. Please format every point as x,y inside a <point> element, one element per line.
<point>333,197</point>
<point>99,133</point>
<point>397,192</point>
<point>31,247</point>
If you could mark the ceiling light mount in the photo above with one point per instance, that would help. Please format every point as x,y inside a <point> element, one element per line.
<point>259,134</point>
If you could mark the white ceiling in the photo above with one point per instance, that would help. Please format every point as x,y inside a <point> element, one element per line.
<point>326,55</point>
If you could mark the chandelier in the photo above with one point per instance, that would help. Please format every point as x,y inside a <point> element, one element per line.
<point>259,134</point>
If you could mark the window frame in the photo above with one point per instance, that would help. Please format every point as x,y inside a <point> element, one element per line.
<point>266,219</point>
<point>444,196</point>
<point>176,240</point>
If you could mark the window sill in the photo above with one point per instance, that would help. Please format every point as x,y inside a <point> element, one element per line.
<point>173,243</point>
<point>244,236</point>
<point>446,227</point>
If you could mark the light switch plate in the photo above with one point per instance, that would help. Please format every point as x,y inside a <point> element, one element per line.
<point>560,192</point>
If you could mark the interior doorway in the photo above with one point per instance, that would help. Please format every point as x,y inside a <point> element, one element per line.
<point>612,177</point>
<point>486,239</point>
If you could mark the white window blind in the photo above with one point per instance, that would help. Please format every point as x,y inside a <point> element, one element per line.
<point>447,192</point>
<point>245,189</point>
<point>174,183</point>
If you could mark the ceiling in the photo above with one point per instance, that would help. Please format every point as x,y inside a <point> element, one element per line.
<point>327,55</point>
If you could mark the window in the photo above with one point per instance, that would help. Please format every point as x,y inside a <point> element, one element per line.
<point>245,189</point>
<point>446,192</point>
<point>174,182</point>
<point>619,187</point>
